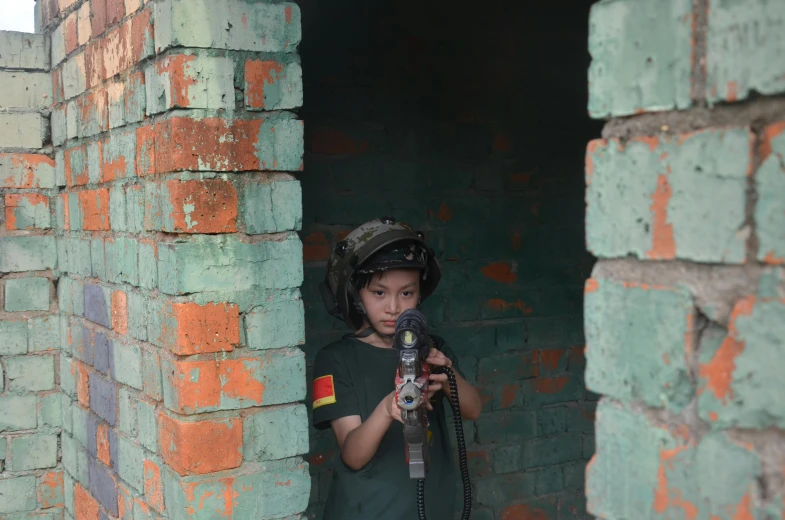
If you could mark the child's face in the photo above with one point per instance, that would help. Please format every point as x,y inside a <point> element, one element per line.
<point>388,295</point>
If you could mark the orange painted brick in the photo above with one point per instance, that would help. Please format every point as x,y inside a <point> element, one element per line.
<point>199,447</point>
<point>75,166</point>
<point>120,312</point>
<point>153,487</point>
<point>24,170</point>
<point>145,150</point>
<point>233,379</point>
<point>95,209</point>
<point>94,63</point>
<point>50,491</point>
<point>85,506</point>
<point>82,383</point>
<point>98,16</point>
<point>117,50</point>
<point>208,206</point>
<point>69,33</point>
<point>259,73</point>
<point>190,328</point>
<point>115,11</point>
<point>141,35</point>
<point>102,444</point>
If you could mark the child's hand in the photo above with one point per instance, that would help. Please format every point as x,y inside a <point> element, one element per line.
<point>392,408</point>
<point>438,381</point>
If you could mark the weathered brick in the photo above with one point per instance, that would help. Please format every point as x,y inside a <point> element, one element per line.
<point>153,484</point>
<point>271,207</point>
<point>14,334</point>
<point>118,156</point>
<point>191,206</point>
<point>275,433</point>
<point>83,28</point>
<point>507,368</point>
<point>27,211</point>
<point>24,50</point>
<point>33,452</point>
<point>147,425</point>
<point>103,398</point>
<point>93,113</point>
<point>67,376</point>
<point>273,377</point>
<point>97,304</point>
<point>500,490</point>
<point>71,120</point>
<point>770,208</point>
<point>274,489</point>
<point>189,81</point>
<point>253,27</point>
<point>26,171</point>
<point>681,197</point>
<point>639,342</point>
<point>505,426</point>
<point>103,485</point>
<point>199,447</point>
<point>121,256</point>
<point>85,506</point>
<point>135,99</point>
<point>270,85</point>
<point>27,294</point>
<point>275,325</point>
<point>30,373</point>
<point>552,450</point>
<point>50,490</point>
<point>59,124</point>
<point>26,89</point>
<point>73,76</point>
<point>18,492</point>
<point>189,328</point>
<point>741,39</point>
<point>152,374</point>
<point>506,459</point>
<point>641,56</point>
<point>128,358</point>
<point>22,130</point>
<point>130,464</point>
<point>212,144</point>
<point>731,374</point>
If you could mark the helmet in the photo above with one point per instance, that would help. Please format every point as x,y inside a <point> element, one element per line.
<point>375,246</point>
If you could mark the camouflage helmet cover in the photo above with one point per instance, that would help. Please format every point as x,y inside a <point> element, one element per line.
<point>358,247</point>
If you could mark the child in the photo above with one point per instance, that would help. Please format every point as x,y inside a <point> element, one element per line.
<point>381,269</point>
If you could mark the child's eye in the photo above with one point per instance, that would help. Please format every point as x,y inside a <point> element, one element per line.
<point>408,293</point>
<point>378,293</point>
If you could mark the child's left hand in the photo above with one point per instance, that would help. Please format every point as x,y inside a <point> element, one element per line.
<point>438,381</point>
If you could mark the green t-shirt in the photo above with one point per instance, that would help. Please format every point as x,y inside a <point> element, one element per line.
<point>362,375</point>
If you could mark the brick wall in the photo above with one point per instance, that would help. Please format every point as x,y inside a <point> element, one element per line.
<point>684,310</point>
<point>31,478</point>
<point>469,123</point>
<point>158,218</point>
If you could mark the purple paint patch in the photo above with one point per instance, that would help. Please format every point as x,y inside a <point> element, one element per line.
<point>84,351</point>
<point>103,398</point>
<point>92,437</point>
<point>104,356</point>
<point>102,485</point>
<point>95,305</point>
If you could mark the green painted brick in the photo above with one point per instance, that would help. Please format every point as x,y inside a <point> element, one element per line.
<point>275,433</point>
<point>3,446</point>
<point>551,421</point>
<point>748,394</point>
<point>637,339</point>
<point>24,51</point>
<point>75,460</point>
<point>50,410</point>
<point>131,463</point>
<point>121,257</point>
<point>135,98</point>
<point>152,374</point>
<point>98,258</point>
<point>742,45</point>
<point>213,263</point>
<point>770,208</point>
<point>148,265</point>
<point>44,333</point>
<point>74,255</point>
<point>506,459</point>
<point>68,493</point>
<point>66,412</point>
<point>574,476</point>
<point>19,494</point>
<point>669,197</point>
<point>79,422</point>
<point>127,405</point>
<point>128,364</point>
<point>2,376</point>
<point>30,373</point>
<point>14,334</point>
<point>272,207</point>
<point>65,341</point>
<point>549,480</point>
<point>71,295</point>
<point>33,452</point>
<point>209,79</point>
<point>552,450</point>
<point>60,206</point>
<point>17,413</point>
<point>148,429</point>
<point>203,23</point>
<point>501,490</point>
<point>275,325</point>
<point>18,254</point>
<point>505,426</point>
<point>271,490</point>
<point>507,368</point>
<point>137,315</point>
<point>279,89</point>
<point>75,216</point>
<point>134,208</point>
<point>119,150</point>
<point>117,209</point>
<point>641,56</point>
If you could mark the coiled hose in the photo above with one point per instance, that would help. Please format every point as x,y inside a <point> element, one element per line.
<point>462,461</point>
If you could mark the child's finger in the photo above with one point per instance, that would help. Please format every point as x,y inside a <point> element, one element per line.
<point>438,377</point>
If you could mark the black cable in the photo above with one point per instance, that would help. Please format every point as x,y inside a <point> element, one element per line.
<point>462,460</point>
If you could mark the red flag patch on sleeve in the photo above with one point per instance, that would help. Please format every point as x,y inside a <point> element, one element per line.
<point>323,391</point>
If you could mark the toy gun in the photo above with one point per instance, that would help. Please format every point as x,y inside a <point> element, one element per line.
<point>413,344</point>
